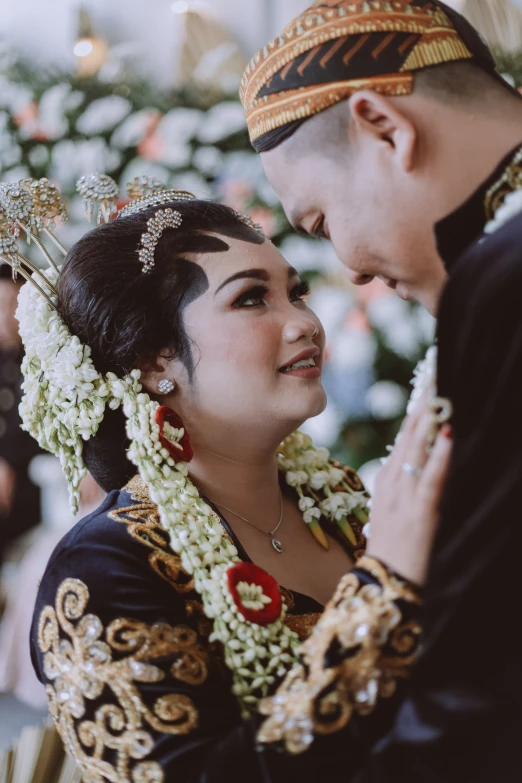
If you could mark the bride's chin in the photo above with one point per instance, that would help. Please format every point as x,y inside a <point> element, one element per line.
<point>307,409</point>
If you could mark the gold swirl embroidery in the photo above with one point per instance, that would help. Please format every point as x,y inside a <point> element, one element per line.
<point>302,624</point>
<point>81,668</point>
<point>509,181</point>
<point>143,524</point>
<point>342,666</point>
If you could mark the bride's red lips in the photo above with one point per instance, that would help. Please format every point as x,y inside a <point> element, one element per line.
<point>311,353</point>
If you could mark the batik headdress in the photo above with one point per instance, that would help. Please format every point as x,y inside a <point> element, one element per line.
<point>337,47</point>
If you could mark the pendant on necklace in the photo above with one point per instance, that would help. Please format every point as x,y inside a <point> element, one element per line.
<point>276,544</point>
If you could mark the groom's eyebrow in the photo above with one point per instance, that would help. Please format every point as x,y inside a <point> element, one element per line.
<point>255,274</point>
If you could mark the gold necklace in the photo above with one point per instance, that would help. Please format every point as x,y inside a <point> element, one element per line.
<point>277,545</point>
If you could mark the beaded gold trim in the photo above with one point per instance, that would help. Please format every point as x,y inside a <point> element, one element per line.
<point>362,630</point>
<point>509,181</point>
<point>78,660</point>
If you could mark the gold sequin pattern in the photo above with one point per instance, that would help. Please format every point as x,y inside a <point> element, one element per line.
<point>508,182</point>
<point>144,525</point>
<point>79,662</point>
<point>363,619</point>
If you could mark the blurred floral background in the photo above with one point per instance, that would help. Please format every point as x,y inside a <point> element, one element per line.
<point>63,125</point>
<point>133,88</point>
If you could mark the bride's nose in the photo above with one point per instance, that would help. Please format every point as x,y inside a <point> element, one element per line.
<point>300,327</point>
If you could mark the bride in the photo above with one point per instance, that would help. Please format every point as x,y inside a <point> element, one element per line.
<point>175,357</point>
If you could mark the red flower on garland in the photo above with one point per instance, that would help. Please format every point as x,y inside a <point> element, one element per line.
<point>251,585</point>
<point>179,453</point>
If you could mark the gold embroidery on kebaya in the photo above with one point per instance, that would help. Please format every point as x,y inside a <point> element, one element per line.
<point>302,624</point>
<point>78,661</point>
<point>143,524</point>
<point>510,180</point>
<point>344,669</point>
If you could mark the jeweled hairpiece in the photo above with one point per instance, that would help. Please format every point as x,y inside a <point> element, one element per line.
<point>162,219</point>
<point>32,206</point>
<point>98,190</point>
<point>143,186</point>
<point>156,199</point>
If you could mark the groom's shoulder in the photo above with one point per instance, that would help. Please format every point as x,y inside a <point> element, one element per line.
<point>492,265</point>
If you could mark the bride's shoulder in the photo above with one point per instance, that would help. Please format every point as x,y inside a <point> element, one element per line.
<point>120,547</point>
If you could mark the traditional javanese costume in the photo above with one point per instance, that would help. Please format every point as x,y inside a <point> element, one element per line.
<point>155,635</point>
<point>460,716</point>
<point>138,689</point>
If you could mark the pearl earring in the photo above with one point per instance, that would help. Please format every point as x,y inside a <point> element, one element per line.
<point>165,386</point>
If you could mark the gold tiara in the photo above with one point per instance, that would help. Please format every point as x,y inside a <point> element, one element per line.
<point>31,207</point>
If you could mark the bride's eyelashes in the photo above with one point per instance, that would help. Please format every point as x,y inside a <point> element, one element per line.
<point>255,296</point>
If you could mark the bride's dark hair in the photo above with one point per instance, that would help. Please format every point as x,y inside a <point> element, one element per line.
<point>125,315</point>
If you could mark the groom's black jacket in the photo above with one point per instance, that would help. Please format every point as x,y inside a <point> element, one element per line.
<point>461,719</point>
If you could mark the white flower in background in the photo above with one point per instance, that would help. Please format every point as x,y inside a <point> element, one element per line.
<point>38,156</point>
<point>352,349</point>
<point>208,160</point>
<point>181,125</point>
<point>330,303</point>
<point>386,400</point>
<point>173,135</point>
<point>10,151</point>
<point>242,165</point>
<point>74,100</point>
<point>221,121</point>
<point>134,128</point>
<point>395,319</point>
<point>139,167</point>
<point>189,180</point>
<point>425,325</point>
<point>52,121</point>
<point>71,159</point>
<point>16,174</point>
<point>13,96</point>
<point>102,115</point>
<point>512,206</point>
<point>325,428</point>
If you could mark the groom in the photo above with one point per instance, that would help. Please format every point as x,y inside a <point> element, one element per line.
<point>384,127</point>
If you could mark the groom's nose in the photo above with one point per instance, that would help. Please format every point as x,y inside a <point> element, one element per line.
<point>359,279</point>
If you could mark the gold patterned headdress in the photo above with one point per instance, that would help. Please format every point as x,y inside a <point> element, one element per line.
<point>337,47</point>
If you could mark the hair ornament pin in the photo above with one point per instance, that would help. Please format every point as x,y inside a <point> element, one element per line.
<point>48,205</point>
<point>101,191</point>
<point>162,219</point>
<point>156,199</point>
<point>141,187</point>
<point>17,208</point>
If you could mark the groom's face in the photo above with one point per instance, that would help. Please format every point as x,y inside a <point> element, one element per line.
<point>378,217</point>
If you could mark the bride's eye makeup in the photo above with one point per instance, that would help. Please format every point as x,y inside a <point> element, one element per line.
<point>255,296</point>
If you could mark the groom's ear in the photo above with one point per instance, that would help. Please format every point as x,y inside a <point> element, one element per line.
<point>378,120</point>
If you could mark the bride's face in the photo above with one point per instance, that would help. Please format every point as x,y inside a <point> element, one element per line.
<point>246,331</point>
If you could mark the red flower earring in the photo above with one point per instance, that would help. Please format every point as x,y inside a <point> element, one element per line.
<point>170,424</point>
